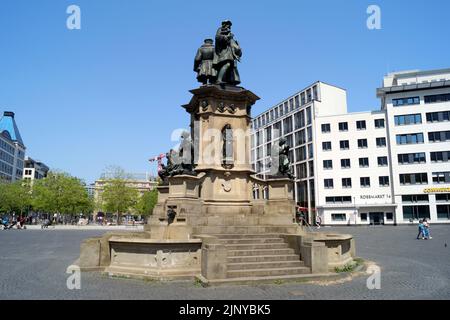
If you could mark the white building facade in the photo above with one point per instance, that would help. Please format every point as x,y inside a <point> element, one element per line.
<point>417,106</point>
<point>353,175</point>
<point>293,118</point>
<point>34,170</point>
<point>380,167</point>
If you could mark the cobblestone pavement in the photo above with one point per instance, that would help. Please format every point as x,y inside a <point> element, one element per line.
<point>33,265</point>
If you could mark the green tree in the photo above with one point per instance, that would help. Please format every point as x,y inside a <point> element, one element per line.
<point>15,196</point>
<point>147,202</point>
<point>118,196</point>
<point>61,193</point>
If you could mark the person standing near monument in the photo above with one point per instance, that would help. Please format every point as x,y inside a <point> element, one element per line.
<point>227,52</point>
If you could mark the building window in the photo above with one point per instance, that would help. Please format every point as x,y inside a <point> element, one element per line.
<point>382,161</point>
<point>300,153</point>
<point>389,216</point>
<point>346,182</point>
<point>315,96</point>
<point>412,138</point>
<point>364,182</point>
<point>345,163</point>
<point>363,162</point>
<point>308,116</point>
<point>379,123</point>
<point>291,104</point>
<point>415,198</point>
<point>344,144</point>
<point>438,136</point>
<point>381,142</point>
<point>297,101</point>
<point>362,143</point>
<point>311,168</point>
<point>405,101</point>
<point>416,212</point>
<point>302,171</point>
<point>309,133</point>
<point>413,178</point>
<point>299,119</point>
<point>326,128</point>
<point>259,153</point>
<point>361,125</point>
<point>308,95</point>
<point>328,183</point>
<point>441,177</point>
<point>363,216</point>
<point>437,98</point>
<point>343,126</point>
<point>268,149</point>
<point>338,199</point>
<point>410,158</point>
<point>287,125</point>
<point>277,130</point>
<point>443,211</point>
<point>443,197</point>
<point>302,98</point>
<point>328,164</point>
<point>268,134</point>
<point>438,116</point>
<point>384,181</point>
<point>300,137</point>
<point>338,217</point>
<point>407,119</point>
<point>326,146</point>
<point>310,151</point>
<point>440,156</point>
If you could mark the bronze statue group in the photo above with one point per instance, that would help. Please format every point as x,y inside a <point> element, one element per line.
<point>218,64</point>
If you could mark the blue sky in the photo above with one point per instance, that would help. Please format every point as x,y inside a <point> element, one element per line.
<point>110,93</point>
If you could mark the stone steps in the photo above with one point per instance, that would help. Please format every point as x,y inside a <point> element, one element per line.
<point>259,255</point>
<point>245,230</point>
<point>252,240</point>
<point>265,265</point>
<point>267,272</point>
<point>260,252</point>
<point>256,246</point>
<point>267,258</point>
<point>245,236</point>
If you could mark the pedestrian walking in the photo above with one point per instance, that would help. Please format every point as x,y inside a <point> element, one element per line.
<point>318,221</point>
<point>426,226</point>
<point>420,229</point>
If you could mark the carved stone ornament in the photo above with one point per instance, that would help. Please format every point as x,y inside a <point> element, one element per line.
<point>221,107</point>
<point>204,105</point>
<point>226,185</point>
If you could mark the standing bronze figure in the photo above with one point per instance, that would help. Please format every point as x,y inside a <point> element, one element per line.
<point>203,63</point>
<point>281,165</point>
<point>228,52</point>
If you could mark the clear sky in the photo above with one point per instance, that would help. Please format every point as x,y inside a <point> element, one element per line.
<point>110,93</point>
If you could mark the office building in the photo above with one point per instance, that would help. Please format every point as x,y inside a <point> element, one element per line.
<point>34,170</point>
<point>12,149</point>
<point>388,166</point>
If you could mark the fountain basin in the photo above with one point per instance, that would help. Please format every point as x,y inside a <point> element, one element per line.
<point>164,259</point>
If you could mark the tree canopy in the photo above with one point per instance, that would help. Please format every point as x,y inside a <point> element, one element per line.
<point>117,196</point>
<point>147,202</point>
<point>57,193</point>
<point>15,197</point>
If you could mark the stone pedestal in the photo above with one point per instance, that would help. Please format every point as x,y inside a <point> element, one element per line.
<point>160,208</point>
<point>280,207</point>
